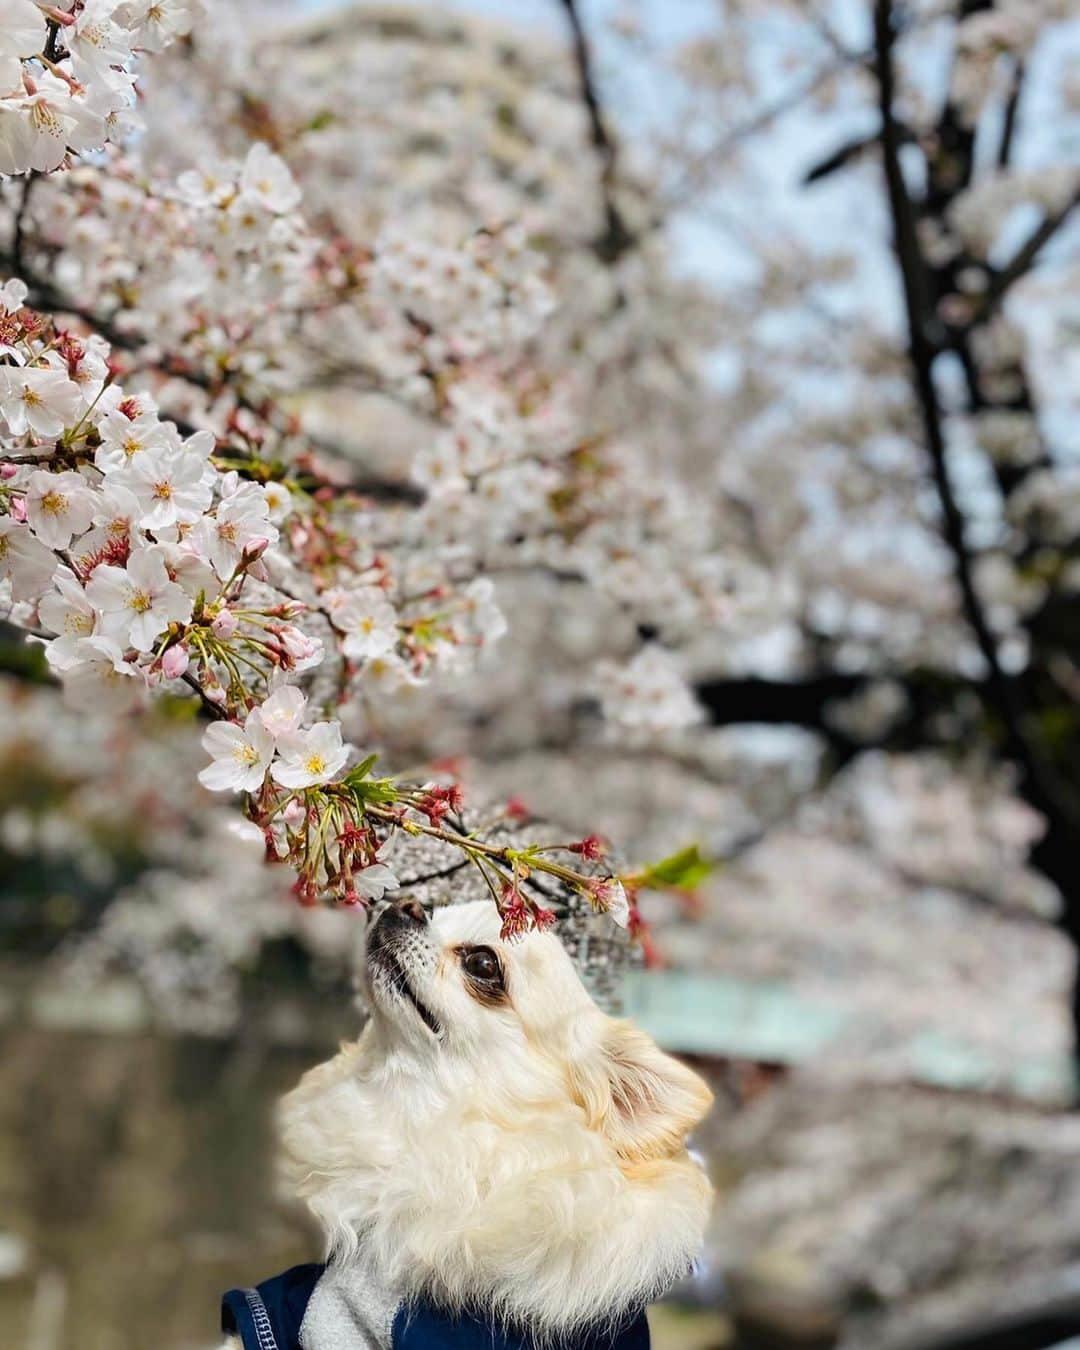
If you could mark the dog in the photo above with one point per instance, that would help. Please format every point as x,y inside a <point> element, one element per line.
<point>493,1147</point>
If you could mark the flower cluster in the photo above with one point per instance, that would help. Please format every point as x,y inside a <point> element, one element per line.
<point>145,561</point>
<point>67,83</point>
<point>182,508</point>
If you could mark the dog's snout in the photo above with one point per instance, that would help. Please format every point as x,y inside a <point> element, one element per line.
<point>405,912</point>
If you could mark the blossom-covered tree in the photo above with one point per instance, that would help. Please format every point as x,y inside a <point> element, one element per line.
<point>216,552</point>
<point>935,543</point>
<point>417,299</point>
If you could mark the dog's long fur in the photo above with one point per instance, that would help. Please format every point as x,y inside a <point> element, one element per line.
<point>526,1159</point>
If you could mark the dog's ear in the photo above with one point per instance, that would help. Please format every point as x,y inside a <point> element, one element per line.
<point>643,1100</point>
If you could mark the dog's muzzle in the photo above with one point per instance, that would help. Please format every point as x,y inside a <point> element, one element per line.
<point>398,918</point>
<point>388,939</point>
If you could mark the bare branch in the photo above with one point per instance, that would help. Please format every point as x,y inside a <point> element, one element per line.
<point>1012,105</point>
<point>1043,786</point>
<point>1022,262</point>
<point>617,237</point>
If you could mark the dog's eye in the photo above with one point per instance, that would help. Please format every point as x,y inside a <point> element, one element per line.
<point>481,963</point>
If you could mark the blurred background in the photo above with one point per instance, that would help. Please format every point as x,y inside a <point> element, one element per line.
<point>765,221</point>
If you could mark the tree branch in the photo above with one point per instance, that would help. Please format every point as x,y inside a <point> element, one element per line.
<point>617,238</point>
<point>1043,788</point>
<point>1012,106</point>
<point>776,702</point>
<point>1022,262</point>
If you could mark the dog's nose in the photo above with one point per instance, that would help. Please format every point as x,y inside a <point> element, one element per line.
<point>406,911</point>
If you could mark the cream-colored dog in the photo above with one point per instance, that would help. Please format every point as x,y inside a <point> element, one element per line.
<point>493,1140</point>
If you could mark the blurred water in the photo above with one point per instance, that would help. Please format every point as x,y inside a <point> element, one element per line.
<point>135,1186</point>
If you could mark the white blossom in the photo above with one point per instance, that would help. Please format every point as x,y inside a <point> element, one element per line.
<point>138,602</point>
<point>65,610</point>
<point>38,128</point>
<point>310,757</point>
<point>171,485</point>
<point>124,438</point>
<point>58,506</point>
<point>368,621</point>
<point>266,179</point>
<point>283,712</point>
<point>98,678</point>
<point>97,44</point>
<point>37,399</point>
<point>22,34</point>
<point>156,23</point>
<point>240,520</point>
<point>648,693</point>
<point>116,511</point>
<point>240,754</point>
<point>24,560</point>
<point>372,883</point>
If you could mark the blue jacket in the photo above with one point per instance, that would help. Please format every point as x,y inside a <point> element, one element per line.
<point>268,1317</point>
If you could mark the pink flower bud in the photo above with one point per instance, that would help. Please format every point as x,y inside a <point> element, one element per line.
<point>18,508</point>
<point>293,814</point>
<point>215,693</point>
<point>298,646</point>
<point>224,625</point>
<point>174,662</point>
<point>8,471</point>
<point>255,549</point>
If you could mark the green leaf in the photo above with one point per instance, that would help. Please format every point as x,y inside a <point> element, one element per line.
<point>684,870</point>
<point>357,775</point>
<point>378,791</point>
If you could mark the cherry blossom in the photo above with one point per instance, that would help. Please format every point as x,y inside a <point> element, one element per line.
<point>24,560</point>
<point>283,712</point>
<point>98,45</point>
<point>22,34</point>
<point>125,436</point>
<point>310,757</point>
<point>609,895</point>
<point>54,106</point>
<point>240,754</point>
<point>648,692</point>
<point>58,506</point>
<point>266,179</point>
<point>241,520</point>
<point>37,399</point>
<point>137,602</point>
<point>368,621</point>
<point>65,610</point>
<point>38,128</point>
<point>97,676</point>
<point>171,486</point>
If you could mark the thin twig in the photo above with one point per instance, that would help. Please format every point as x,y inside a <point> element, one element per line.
<point>1023,260</point>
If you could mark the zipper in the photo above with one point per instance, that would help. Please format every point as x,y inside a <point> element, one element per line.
<point>264,1332</point>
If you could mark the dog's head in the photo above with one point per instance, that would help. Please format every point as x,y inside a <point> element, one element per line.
<point>449,994</point>
<point>494,1139</point>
